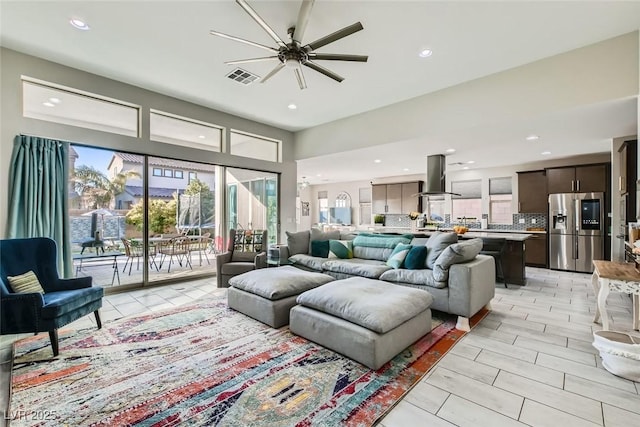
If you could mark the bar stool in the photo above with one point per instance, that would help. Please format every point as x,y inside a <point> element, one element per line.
<point>495,247</point>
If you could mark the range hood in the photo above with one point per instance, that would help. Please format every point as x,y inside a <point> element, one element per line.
<point>436,179</point>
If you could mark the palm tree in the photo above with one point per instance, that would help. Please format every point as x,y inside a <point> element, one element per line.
<point>97,188</point>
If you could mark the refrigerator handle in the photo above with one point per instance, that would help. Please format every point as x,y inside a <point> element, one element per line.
<point>577,185</point>
<point>572,184</point>
<point>577,220</point>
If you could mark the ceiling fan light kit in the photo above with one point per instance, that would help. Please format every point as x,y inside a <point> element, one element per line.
<point>294,54</point>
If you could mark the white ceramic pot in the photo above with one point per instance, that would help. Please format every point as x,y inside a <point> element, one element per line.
<point>620,353</point>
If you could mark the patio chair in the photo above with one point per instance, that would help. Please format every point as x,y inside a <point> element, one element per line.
<point>135,250</point>
<point>235,261</point>
<point>201,244</point>
<point>179,248</point>
<point>31,310</point>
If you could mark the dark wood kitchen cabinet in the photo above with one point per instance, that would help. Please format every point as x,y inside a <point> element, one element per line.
<point>535,253</point>
<point>628,167</point>
<point>591,178</point>
<point>532,192</point>
<point>577,179</point>
<point>513,262</point>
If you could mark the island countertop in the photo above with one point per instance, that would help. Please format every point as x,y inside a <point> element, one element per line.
<point>472,230</point>
<point>517,237</point>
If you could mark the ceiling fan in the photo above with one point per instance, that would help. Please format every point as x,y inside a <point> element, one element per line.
<point>294,54</point>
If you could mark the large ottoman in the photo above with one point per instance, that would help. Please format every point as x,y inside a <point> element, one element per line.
<point>267,294</point>
<point>367,320</point>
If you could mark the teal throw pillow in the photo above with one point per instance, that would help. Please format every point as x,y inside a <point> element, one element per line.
<point>341,249</point>
<point>398,255</point>
<point>416,258</point>
<point>320,248</point>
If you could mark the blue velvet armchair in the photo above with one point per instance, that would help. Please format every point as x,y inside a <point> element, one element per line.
<point>63,301</point>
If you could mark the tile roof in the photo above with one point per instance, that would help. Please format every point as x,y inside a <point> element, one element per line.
<point>159,161</point>
<point>154,192</point>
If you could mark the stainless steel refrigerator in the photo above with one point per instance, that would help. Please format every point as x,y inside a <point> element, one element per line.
<point>576,230</point>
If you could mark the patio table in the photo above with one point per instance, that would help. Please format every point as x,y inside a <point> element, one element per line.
<point>81,260</point>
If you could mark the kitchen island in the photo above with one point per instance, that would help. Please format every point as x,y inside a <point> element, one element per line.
<point>513,260</point>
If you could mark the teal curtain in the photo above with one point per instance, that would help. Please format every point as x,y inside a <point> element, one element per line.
<point>38,194</point>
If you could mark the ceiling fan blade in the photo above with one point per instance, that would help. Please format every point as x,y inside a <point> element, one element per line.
<point>243,4</point>
<point>301,81</point>
<point>238,39</point>
<point>338,57</point>
<point>324,71</point>
<point>303,20</point>
<point>272,73</point>
<point>346,31</point>
<point>246,61</point>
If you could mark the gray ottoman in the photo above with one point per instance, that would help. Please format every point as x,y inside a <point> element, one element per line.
<point>368,320</point>
<point>267,294</point>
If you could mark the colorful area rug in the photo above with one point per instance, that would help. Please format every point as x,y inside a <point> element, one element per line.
<point>206,365</point>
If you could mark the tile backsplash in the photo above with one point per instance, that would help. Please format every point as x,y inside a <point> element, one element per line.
<point>528,218</point>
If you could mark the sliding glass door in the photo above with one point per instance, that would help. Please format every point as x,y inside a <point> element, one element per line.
<point>252,201</point>
<point>139,219</point>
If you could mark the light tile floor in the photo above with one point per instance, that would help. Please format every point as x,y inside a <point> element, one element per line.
<point>529,362</point>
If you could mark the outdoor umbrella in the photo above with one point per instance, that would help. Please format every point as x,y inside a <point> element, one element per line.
<point>102,212</point>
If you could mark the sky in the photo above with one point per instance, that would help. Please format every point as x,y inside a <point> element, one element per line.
<point>94,157</point>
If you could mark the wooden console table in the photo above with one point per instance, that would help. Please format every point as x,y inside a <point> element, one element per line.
<point>618,277</point>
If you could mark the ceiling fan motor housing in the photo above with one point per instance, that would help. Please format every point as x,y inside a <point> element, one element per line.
<point>292,55</point>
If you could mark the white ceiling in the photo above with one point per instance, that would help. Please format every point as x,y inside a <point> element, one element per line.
<point>165,46</point>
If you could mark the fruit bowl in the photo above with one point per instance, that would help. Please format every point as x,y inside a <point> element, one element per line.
<point>460,229</point>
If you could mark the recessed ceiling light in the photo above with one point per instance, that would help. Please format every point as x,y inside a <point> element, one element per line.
<point>450,150</point>
<point>546,153</point>
<point>471,162</point>
<point>532,138</point>
<point>292,106</point>
<point>201,136</point>
<point>55,100</point>
<point>319,174</point>
<point>466,167</point>
<point>405,169</point>
<point>48,104</point>
<point>377,161</point>
<point>425,53</point>
<point>79,24</point>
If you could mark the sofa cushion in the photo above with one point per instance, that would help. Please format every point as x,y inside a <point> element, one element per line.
<point>416,258</point>
<point>298,243</point>
<point>455,254</point>
<point>437,243</point>
<point>342,249</point>
<point>379,254</point>
<point>311,262</point>
<point>371,304</point>
<point>388,241</point>
<point>356,267</point>
<point>278,283</point>
<point>320,248</point>
<point>422,277</point>
<point>317,234</point>
<point>396,259</point>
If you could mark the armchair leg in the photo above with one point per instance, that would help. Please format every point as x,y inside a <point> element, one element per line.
<point>53,337</point>
<point>98,321</point>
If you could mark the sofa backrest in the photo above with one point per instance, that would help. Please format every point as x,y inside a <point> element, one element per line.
<point>377,246</point>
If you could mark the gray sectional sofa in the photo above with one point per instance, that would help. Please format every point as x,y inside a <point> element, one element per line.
<point>460,280</point>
